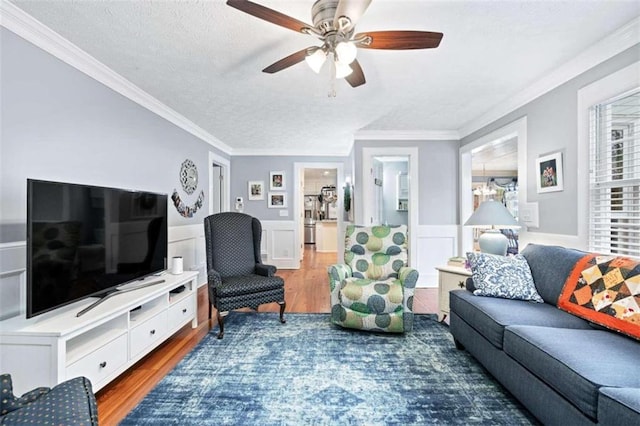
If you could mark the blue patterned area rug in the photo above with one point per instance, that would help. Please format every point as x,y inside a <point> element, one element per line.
<point>310,372</point>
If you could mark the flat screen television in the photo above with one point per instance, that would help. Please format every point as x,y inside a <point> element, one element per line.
<point>85,241</point>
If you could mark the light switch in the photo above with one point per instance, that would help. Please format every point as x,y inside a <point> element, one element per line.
<point>529,214</point>
<point>284,213</point>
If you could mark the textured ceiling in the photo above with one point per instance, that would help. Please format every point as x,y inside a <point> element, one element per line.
<point>204,59</point>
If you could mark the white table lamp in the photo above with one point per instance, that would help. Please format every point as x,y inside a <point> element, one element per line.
<point>494,215</point>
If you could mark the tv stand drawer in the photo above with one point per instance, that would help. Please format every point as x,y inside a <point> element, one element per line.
<point>101,363</point>
<point>149,332</point>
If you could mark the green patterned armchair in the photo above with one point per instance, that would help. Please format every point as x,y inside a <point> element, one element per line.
<point>373,288</point>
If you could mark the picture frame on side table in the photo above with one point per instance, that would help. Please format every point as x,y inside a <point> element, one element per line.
<point>549,173</point>
<point>256,190</point>
<point>277,200</point>
<point>276,181</point>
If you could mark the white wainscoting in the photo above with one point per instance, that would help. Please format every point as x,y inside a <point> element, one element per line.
<point>279,243</point>
<point>13,279</point>
<point>188,241</point>
<point>435,245</point>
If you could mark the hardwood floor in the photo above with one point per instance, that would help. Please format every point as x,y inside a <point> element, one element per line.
<point>306,291</point>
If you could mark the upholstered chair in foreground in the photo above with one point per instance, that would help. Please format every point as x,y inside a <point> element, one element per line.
<point>70,403</point>
<point>373,289</point>
<point>236,276</point>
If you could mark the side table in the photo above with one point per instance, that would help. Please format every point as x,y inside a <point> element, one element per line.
<point>450,278</point>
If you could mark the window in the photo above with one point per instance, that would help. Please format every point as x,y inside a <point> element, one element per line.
<point>614,181</point>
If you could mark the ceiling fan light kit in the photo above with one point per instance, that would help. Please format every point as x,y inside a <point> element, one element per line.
<point>334,24</point>
<point>315,59</point>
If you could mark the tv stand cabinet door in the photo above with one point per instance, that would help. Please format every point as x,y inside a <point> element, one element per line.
<point>33,361</point>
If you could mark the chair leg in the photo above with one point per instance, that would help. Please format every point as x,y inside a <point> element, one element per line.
<point>209,309</point>
<point>283,305</point>
<point>220,324</point>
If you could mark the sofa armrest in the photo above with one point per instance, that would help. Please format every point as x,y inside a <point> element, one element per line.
<point>469,285</point>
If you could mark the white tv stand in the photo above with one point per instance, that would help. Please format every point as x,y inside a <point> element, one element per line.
<point>103,343</point>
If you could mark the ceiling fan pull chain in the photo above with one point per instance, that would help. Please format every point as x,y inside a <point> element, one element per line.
<point>332,81</point>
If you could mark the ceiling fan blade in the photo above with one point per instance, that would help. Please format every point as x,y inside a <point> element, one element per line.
<point>400,40</point>
<point>283,63</point>
<point>268,15</point>
<point>356,78</point>
<point>352,9</point>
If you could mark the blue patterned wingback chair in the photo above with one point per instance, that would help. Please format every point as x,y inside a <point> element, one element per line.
<point>373,289</point>
<point>236,275</point>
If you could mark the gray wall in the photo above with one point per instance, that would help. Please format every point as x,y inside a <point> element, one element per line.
<point>246,168</point>
<point>438,175</point>
<point>59,124</point>
<point>552,125</point>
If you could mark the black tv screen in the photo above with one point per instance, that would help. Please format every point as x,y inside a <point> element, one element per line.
<point>86,241</point>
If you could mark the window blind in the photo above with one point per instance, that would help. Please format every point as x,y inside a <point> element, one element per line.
<point>614,176</point>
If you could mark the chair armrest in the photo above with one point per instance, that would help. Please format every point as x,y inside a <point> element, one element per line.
<point>265,270</point>
<point>9,402</point>
<point>213,278</point>
<point>408,276</point>
<point>338,272</point>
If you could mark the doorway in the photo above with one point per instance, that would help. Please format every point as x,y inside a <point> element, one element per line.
<point>322,181</point>
<point>402,180</point>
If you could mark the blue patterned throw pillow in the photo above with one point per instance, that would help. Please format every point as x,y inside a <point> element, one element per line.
<point>502,276</point>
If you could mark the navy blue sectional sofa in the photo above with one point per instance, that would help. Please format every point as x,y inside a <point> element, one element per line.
<point>563,369</point>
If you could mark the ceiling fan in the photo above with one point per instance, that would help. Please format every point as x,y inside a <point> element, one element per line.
<point>334,24</point>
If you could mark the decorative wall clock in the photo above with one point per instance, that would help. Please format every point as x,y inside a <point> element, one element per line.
<point>189,176</point>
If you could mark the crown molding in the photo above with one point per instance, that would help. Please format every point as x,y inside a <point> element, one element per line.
<point>407,135</point>
<point>24,25</point>
<point>622,39</point>
<point>291,153</point>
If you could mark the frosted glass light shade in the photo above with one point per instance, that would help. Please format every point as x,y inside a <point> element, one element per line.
<point>342,70</point>
<point>346,52</point>
<point>316,60</point>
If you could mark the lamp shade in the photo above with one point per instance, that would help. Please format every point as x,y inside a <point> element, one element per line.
<point>492,214</point>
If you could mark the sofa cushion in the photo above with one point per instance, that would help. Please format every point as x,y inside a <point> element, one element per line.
<point>619,406</point>
<point>550,266</point>
<point>502,276</point>
<point>575,363</point>
<point>490,315</point>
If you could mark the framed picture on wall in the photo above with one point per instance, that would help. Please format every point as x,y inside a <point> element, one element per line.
<point>276,181</point>
<point>256,190</point>
<point>277,200</point>
<point>549,173</point>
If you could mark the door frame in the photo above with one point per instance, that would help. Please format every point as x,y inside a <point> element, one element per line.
<point>225,164</point>
<point>368,153</point>
<point>517,129</point>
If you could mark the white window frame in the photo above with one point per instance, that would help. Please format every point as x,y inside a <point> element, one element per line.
<point>599,92</point>
<point>614,227</point>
